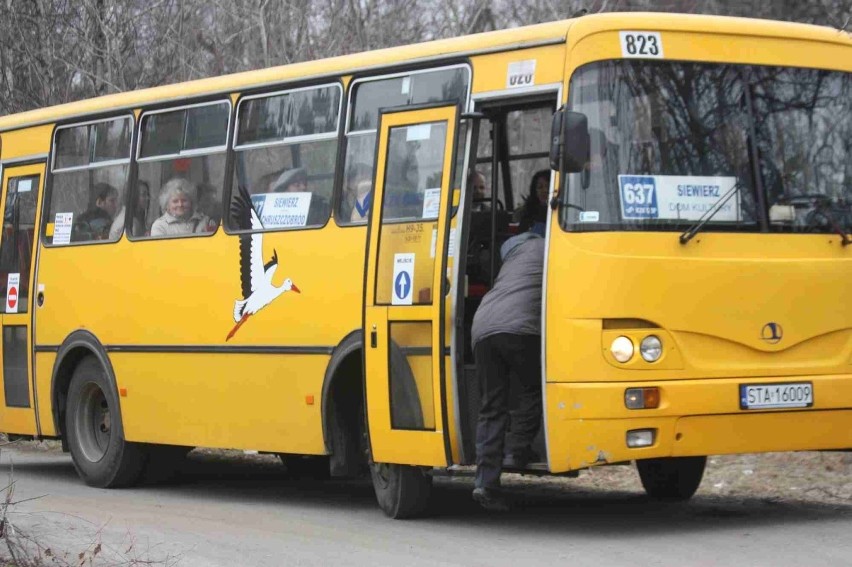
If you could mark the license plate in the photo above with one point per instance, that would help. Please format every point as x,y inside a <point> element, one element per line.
<point>788,395</point>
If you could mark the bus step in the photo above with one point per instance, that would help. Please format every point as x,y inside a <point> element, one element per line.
<point>535,469</point>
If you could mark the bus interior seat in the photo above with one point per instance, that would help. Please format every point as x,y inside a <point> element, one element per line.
<point>479,244</point>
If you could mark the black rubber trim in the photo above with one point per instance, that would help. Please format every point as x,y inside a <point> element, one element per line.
<point>353,342</point>
<point>80,339</point>
<point>442,294</point>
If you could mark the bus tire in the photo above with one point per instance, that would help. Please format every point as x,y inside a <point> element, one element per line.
<point>101,456</point>
<point>671,478</point>
<point>402,491</point>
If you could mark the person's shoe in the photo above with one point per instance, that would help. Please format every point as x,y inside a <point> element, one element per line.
<point>519,460</point>
<point>491,499</point>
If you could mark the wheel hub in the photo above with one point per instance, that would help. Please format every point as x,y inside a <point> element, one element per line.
<point>93,422</point>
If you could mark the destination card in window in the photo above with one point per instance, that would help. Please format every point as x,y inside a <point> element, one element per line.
<point>282,210</point>
<point>676,197</point>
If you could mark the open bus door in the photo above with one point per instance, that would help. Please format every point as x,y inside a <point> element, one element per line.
<point>20,204</point>
<point>405,297</point>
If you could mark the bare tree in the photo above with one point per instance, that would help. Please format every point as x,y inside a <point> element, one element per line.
<point>54,51</point>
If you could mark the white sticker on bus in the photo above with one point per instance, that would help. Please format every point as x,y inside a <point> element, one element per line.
<point>676,197</point>
<point>418,132</point>
<point>521,74</point>
<point>641,45</point>
<point>13,292</point>
<point>62,228</point>
<point>25,185</point>
<point>431,203</point>
<point>403,279</point>
<point>282,210</point>
<point>451,246</point>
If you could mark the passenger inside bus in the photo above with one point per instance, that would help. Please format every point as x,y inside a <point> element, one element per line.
<point>177,201</point>
<point>481,194</point>
<point>533,213</point>
<point>209,202</point>
<point>295,180</point>
<point>359,192</point>
<point>140,213</point>
<point>95,223</point>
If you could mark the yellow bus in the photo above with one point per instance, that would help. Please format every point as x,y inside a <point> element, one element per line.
<point>288,260</point>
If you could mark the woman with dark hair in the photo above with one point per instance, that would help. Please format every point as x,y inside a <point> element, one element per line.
<point>140,213</point>
<point>533,214</point>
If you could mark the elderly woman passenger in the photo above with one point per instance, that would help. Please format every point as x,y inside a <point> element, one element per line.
<point>177,201</point>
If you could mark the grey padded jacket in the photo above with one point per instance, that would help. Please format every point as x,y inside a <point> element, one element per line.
<point>513,305</point>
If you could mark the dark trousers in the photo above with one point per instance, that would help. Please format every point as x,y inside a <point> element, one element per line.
<point>498,357</point>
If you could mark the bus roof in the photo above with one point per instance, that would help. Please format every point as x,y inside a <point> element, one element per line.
<point>547,33</point>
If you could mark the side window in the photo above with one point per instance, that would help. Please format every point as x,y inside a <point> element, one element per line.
<point>181,173</point>
<point>285,152</point>
<point>523,180</point>
<point>17,243</point>
<point>89,176</point>
<point>367,98</point>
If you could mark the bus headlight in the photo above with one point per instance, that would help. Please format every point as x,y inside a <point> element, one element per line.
<point>622,349</point>
<point>651,348</point>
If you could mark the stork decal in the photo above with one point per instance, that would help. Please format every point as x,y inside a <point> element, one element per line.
<point>255,276</point>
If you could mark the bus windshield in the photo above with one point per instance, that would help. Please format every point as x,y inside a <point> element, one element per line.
<point>670,139</point>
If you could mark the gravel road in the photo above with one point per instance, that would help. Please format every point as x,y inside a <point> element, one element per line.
<point>234,509</point>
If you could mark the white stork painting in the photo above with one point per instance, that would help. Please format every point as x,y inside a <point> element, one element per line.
<point>255,276</point>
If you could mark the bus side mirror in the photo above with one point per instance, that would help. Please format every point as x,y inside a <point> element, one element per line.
<point>569,141</point>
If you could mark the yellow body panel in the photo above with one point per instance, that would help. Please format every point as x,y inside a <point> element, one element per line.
<point>589,424</point>
<point>227,400</point>
<point>491,71</point>
<point>712,299</point>
<point>138,294</point>
<point>24,143</point>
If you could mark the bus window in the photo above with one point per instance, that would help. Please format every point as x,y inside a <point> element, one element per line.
<point>16,243</point>
<point>367,98</point>
<point>523,150</point>
<point>90,166</point>
<point>287,143</point>
<point>182,169</point>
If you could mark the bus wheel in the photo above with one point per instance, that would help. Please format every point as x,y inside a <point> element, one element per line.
<point>673,478</point>
<point>402,491</point>
<point>95,434</point>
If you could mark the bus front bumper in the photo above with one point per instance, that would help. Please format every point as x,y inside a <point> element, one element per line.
<point>588,423</point>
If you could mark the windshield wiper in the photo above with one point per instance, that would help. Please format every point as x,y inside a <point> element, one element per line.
<point>709,214</point>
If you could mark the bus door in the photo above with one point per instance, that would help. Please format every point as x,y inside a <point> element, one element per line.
<point>406,286</point>
<point>22,188</point>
